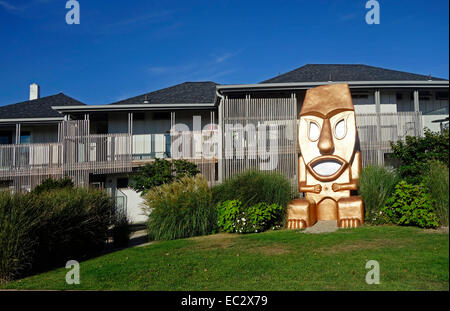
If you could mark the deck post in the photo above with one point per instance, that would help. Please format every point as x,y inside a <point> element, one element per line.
<point>416,101</point>
<point>379,133</point>
<point>220,151</point>
<point>18,130</point>
<point>130,133</point>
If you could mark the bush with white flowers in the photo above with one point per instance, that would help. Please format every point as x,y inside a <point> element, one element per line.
<point>234,217</point>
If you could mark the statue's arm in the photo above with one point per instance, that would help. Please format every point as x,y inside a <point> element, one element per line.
<point>302,186</point>
<point>355,171</point>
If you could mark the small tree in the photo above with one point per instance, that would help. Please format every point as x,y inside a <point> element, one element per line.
<point>416,153</point>
<point>162,172</point>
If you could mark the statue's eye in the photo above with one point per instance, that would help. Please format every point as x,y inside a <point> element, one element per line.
<point>340,129</point>
<point>314,131</point>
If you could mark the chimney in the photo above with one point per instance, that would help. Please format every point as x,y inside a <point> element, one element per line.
<point>34,91</point>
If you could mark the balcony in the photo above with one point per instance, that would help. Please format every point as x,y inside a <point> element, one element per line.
<point>18,160</point>
<point>100,153</point>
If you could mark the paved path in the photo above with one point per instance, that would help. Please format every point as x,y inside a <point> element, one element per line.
<point>322,226</point>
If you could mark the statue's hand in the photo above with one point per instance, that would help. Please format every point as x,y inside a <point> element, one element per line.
<point>335,187</point>
<point>317,188</point>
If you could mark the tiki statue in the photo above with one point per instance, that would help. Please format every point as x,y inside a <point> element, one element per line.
<point>329,166</point>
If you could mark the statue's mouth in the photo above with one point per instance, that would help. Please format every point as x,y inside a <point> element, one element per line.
<point>326,168</point>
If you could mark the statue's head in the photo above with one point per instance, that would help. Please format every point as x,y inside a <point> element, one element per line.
<point>327,130</point>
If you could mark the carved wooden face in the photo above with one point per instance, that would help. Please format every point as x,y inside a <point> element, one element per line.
<point>327,131</point>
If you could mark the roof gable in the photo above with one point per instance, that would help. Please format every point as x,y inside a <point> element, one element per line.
<point>184,93</point>
<point>37,108</point>
<point>345,72</point>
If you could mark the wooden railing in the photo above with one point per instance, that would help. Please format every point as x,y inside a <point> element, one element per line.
<point>27,165</point>
<point>79,156</point>
<point>29,156</point>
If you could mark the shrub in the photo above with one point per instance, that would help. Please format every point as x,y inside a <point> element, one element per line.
<point>376,185</point>
<point>181,209</point>
<point>46,229</point>
<point>162,172</point>
<point>435,180</point>
<point>416,153</point>
<point>227,214</point>
<point>410,205</point>
<point>18,220</point>
<point>52,184</point>
<point>121,230</point>
<point>74,225</point>
<point>232,217</point>
<point>253,187</point>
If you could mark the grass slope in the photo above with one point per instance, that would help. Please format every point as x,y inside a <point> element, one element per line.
<point>410,259</point>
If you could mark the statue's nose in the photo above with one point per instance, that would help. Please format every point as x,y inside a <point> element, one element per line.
<point>326,145</point>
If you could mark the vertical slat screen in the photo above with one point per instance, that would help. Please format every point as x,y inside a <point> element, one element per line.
<point>394,127</point>
<point>78,153</point>
<point>250,113</point>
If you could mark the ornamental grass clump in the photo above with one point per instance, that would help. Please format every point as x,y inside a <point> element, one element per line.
<point>376,185</point>
<point>180,209</point>
<point>18,221</point>
<point>253,187</point>
<point>45,229</point>
<point>436,182</point>
<point>74,224</point>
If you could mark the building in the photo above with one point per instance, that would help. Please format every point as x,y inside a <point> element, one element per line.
<point>101,145</point>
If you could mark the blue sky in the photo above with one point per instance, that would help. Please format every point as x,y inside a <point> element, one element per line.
<point>126,48</point>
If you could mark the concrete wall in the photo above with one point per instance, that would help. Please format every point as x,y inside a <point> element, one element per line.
<point>427,121</point>
<point>134,200</point>
<point>134,206</point>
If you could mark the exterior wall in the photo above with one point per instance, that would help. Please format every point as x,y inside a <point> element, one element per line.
<point>42,134</point>
<point>117,123</point>
<point>433,109</point>
<point>186,117</point>
<point>152,124</point>
<point>134,206</point>
<point>39,134</point>
<point>133,199</point>
<point>427,121</point>
<point>405,103</point>
<point>367,105</point>
<point>388,102</point>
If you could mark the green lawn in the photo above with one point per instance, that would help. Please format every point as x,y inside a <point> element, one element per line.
<point>410,259</point>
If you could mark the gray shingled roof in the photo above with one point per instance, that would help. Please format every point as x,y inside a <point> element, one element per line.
<point>37,108</point>
<point>184,93</point>
<point>344,72</point>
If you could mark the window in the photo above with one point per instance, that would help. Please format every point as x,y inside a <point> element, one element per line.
<point>25,138</point>
<point>122,182</point>
<point>399,96</point>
